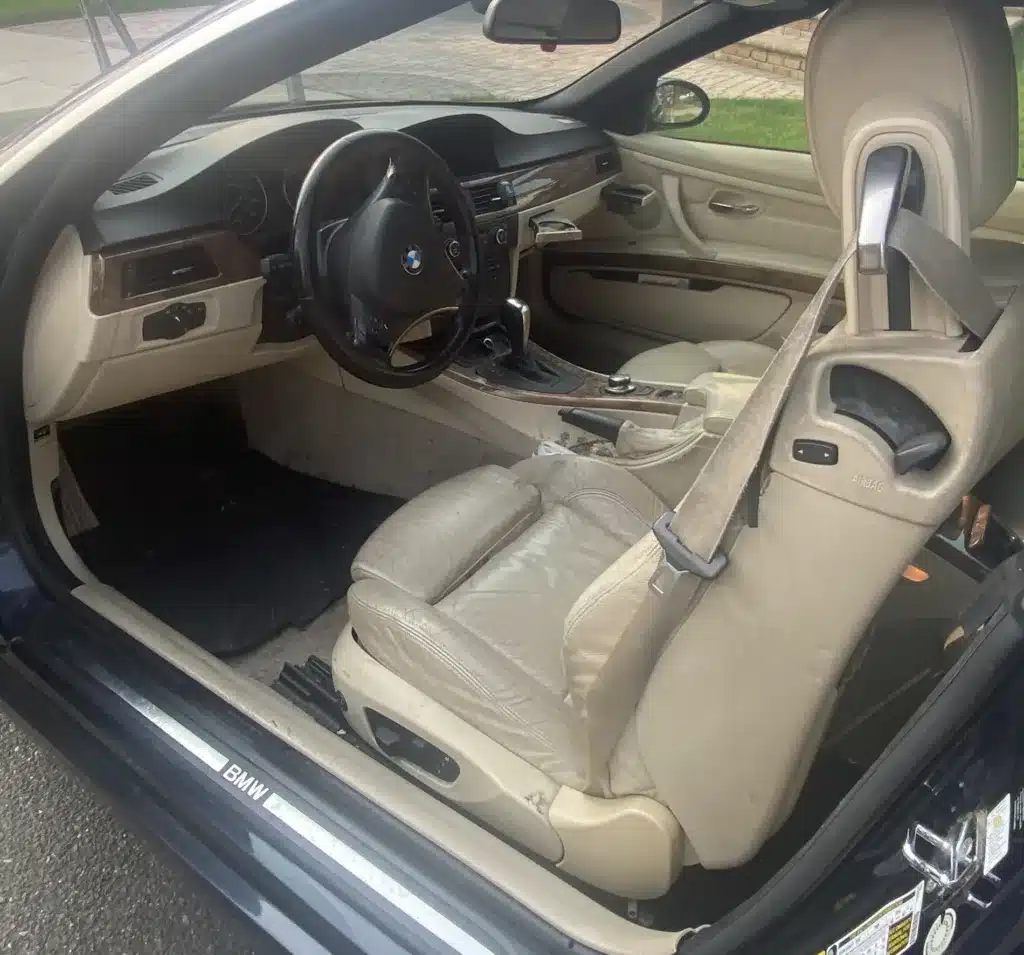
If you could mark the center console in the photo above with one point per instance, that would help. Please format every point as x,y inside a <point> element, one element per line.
<point>498,243</point>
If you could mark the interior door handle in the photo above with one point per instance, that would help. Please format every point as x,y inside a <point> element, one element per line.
<point>726,208</point>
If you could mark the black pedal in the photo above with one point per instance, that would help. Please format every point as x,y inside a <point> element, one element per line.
<point>311,688</point>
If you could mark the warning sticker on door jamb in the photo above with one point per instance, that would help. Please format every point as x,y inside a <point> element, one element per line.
<point>890,931</point>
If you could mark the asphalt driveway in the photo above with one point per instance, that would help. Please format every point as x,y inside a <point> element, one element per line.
<point>73,880</point>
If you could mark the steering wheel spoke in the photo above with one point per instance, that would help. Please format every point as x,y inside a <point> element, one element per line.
<point>368,280</point>
<point>406,181</point>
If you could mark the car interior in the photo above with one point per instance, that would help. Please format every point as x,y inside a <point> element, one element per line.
<point>415,454</point>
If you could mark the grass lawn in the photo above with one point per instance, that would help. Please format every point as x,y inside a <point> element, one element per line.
<point>34,11</point>
<point>776,123</point>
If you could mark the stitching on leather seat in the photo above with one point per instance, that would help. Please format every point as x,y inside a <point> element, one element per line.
<point>608,496</point>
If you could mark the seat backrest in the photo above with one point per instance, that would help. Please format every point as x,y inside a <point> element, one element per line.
<point>726,707</point>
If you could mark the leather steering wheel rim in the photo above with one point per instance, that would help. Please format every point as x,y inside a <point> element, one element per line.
<point>366,281</point>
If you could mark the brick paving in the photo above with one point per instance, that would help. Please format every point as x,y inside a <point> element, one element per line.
<point>443,58</point>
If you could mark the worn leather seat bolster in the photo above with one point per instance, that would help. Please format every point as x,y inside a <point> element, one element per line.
<point>435,541</point>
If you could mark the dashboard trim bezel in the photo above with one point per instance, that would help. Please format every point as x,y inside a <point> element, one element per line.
<point>235,262</point>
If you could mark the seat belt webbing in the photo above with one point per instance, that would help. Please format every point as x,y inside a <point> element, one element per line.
<point>947,271</point>
<point>692,535</point>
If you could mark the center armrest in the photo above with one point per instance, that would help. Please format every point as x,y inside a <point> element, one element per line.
<point>721,396</point>
<point>435,541</point>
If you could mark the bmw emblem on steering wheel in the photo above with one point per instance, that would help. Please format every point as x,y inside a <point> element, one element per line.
<point>412,260</point>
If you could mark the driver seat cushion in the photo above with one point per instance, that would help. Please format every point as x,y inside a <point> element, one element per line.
<point>464,593</point>
<point>679,363</point>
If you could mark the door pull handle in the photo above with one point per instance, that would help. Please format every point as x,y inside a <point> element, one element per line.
<point>726,208</point>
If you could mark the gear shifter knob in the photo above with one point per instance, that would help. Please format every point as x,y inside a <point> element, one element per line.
<point>514,317</point>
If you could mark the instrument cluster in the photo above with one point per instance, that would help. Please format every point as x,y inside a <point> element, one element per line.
<point>258,195</point>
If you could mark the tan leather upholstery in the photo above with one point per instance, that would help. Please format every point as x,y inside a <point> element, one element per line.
<point>490,647</point>
<point>475,514</point>
<point>679,363</point>
<point>538,626</point>
<point>953,60</point>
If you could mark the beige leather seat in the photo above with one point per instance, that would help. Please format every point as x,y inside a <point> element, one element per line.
<point>678,363</point>
<point>505,646</point>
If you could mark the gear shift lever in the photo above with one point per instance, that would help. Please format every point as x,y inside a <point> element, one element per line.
<point>514,317</point>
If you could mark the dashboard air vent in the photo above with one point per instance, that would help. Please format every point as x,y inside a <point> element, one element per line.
<point>488,197</point>
<point>142,180</point>
<point>608,163</point>
<point>485,196</point>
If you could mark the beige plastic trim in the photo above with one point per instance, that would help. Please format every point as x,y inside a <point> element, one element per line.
<point>561,905</point>
<point>44,460</point>
<point>513,426</point>
<point>631,846</point>
<point>670,189</point>
<point>496,785</point>
<point>77,362</point>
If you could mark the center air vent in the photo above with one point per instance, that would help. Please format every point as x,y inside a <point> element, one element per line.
<point>486,197</point>
<point>142,180</point>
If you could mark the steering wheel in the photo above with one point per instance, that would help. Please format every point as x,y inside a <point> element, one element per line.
<point>367,281</point>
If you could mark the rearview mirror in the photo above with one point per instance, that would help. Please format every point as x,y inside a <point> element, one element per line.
<point>554,22</point>
<point>677,104</point>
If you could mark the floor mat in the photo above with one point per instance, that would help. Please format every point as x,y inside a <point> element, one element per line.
<point>218,541</point>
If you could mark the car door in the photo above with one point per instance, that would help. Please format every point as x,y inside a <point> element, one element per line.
<point>733,234</point>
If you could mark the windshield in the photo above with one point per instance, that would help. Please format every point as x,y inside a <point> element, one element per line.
<point>447,58</point>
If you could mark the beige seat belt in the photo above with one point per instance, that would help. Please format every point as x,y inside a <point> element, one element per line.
<point>691,536</point>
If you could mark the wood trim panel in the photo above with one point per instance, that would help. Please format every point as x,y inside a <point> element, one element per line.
<point>731,273</point>
<point>590,394</point>
<point>549,182</point>
<point>234,261</point>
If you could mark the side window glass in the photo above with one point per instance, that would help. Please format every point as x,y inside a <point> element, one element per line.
<point>756,88</point>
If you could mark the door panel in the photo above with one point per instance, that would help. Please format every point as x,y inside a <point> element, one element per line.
<point>666,306</point>
<point>778,215</point>
<point>731,249</point>
<point>754,221</point>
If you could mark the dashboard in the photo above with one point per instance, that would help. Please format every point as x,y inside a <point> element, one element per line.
<point>177,274</point>
<point>244,176</point>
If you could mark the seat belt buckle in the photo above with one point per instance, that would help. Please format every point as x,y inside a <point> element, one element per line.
<point>677,560</point>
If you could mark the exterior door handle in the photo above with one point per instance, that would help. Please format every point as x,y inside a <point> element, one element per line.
<point>727,208</point>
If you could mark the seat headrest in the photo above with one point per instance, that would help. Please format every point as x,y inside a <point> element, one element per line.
<point>882,58</point>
